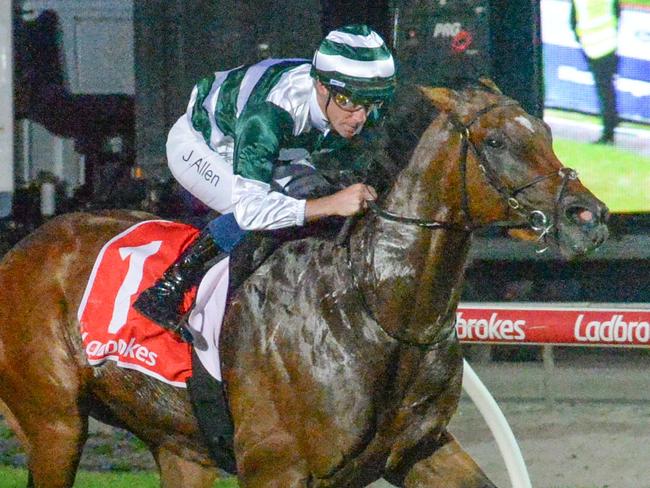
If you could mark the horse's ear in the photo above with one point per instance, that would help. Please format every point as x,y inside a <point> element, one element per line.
<point>490,85</point>
<point>442,98</point>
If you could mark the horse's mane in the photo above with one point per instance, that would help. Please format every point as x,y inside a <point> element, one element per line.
<point>387,148</point>
<point>381,151</point>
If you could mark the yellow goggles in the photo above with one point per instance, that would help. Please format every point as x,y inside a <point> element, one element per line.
<point>344,102</point>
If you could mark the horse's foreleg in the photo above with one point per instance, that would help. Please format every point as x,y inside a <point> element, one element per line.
<point>268,453</point>
<point>449,466</point>
<point>176,471</point>
<point>272,462</point>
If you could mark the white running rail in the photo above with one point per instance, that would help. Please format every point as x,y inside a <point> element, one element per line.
<point>499,427</point>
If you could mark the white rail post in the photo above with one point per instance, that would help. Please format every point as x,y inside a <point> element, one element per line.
<point>499,427</point>
<point>7,112</point>
<point>548,362</point>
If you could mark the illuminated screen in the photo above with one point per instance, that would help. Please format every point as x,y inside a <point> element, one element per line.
<point>618,172</point>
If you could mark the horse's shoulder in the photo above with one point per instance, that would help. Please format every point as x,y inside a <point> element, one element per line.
<point>293,265</point>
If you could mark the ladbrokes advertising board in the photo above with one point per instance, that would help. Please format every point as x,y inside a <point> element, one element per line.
<point>540,324</point>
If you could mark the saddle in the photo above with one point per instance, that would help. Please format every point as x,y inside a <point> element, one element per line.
<point>207,394</point>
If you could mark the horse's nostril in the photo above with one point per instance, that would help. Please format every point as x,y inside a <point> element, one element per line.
<point>600,237</point>
<point>580,215</point>
<point>586,216</point>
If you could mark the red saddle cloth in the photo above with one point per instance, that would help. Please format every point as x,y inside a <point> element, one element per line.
<point>110,328</point>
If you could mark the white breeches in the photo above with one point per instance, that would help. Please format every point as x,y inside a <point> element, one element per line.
<point>206,174</point>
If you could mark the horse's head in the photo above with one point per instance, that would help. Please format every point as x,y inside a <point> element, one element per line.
<point>499,168</point>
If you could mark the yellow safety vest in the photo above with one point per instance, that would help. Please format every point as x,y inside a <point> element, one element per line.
<point>596,26</point>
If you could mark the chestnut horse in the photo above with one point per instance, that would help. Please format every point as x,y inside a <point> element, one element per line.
<point>341,360</point>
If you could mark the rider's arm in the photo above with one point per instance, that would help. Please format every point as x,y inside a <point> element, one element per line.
<point>259,208</point>
<point>259,136</point>
<point>344,203</point>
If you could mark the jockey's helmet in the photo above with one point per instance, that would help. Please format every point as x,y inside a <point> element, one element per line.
<point>354,60</point>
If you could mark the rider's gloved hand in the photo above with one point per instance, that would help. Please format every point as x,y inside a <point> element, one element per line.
<point>344,203</point>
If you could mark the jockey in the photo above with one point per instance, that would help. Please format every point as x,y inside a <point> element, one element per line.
<point>249,132</point>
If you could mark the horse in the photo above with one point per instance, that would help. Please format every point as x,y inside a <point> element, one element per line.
<point>339,356</point>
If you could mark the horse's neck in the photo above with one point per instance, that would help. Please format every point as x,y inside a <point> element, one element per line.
<point>431,185</point>
<point>412,276</point>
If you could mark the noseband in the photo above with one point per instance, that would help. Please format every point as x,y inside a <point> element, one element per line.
<point>537,220</point>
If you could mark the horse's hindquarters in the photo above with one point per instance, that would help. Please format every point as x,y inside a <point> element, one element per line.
<point>46,380</point>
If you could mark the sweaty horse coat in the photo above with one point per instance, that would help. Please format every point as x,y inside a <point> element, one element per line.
<point>341,361</point>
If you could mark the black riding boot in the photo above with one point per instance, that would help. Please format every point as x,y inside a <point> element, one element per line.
<point>162,301</point>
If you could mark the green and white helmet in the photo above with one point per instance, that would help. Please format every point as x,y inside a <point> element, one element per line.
<point>356,61</point>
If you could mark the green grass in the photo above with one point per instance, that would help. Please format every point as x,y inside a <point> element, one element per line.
<point>620,178</point>
<point>637,2</point>
<point>617,176</point>
<point>17,478</point>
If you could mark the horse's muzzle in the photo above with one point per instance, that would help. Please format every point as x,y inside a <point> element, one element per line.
<point>582,224</point>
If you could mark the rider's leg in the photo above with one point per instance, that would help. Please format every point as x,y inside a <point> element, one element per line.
<point>191,161</point>
<point>162,301</point>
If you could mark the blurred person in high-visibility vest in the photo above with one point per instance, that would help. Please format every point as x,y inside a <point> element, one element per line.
<point>595,24</point>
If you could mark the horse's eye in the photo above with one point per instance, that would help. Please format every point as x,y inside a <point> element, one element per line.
<point>494,142</point>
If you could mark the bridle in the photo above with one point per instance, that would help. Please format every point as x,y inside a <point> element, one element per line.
<point>537,220</point>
